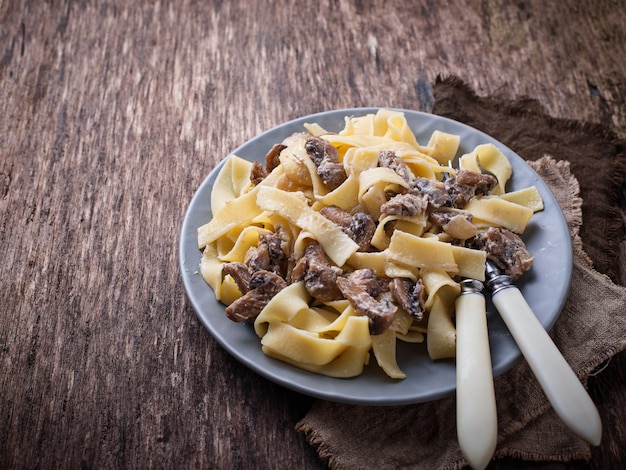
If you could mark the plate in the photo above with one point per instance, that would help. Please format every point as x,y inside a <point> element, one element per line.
<point>545,286</point>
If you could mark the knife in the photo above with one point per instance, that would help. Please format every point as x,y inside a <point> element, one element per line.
<point>565,392</point>
<point>476,417</point>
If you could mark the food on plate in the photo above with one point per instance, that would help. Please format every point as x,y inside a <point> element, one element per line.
<point>339,245</point>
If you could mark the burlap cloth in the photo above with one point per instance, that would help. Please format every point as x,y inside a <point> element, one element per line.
<point>574,160</point>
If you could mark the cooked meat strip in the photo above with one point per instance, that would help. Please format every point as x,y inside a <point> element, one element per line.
<point>389,159</point>
<point>406,205</point>
<point>506,249</point>
<point>257,258</point>
<point>362,230</point>
<point>467,184</point>
<point>272,159</point>
<point>263,286</point>
<point>442,218</point>
<point>326,159</point>
<point>320,150</point>
<point>434,191</point>
<point>332,174</point>
<point>380,313</point>
<point>268,254</point>
<point>483,183</point>
<point>320,278</point>
<point>257,173</point>
<point>366,278</point>
<point>267,281</point>
<point>240,273</point>
<point>337,215</point>
<point>278,257</point>
<point>360,226</point>
<point>299,270</point>
<point>409,295</point>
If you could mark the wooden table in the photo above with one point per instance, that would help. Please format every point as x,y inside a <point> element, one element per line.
<point>112,114</point>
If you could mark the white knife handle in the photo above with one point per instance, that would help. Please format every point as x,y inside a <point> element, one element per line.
<point>476,417</point>
<point>563,389</point>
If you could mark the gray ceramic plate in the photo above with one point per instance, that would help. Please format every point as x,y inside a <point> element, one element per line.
<point>545,286</point>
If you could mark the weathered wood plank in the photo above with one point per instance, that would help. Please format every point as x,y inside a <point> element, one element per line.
<point>112,115</point>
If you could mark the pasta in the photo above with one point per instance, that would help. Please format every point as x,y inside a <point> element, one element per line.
<point>347,243</point>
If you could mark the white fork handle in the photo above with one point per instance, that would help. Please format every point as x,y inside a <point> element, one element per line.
<point>566,394</point>
<point>476,417</point>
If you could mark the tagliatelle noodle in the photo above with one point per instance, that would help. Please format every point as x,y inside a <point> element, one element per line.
<point>496,212</point>
<point>313,319</point>
<point>231,182</point>
<point>283,307</point>
<point>402,322</point>
<point>337,245</point>
<point>489,157</point>
<point>233,245</point>
<point>211,269</point>
<point>374,184</point>
<point>356,332</point>
<point>302,346</point>
<point>349,364</point>
<point>385,123</point>
<point>443,147</point>
<point>330,338</point>
<point>384,345</point>
<point>315,129</point>
<point>298,156</point>
<point>290,329</point>
<point>438,283</point>
<point>421,252</point>
<point>384,348</point>
<point>527,197</point>
<point>394,126</point>
<point>441,336</point>
<point>413,225</point>
<point>343,143</point>
<point>412,336</point>
<point>346,196</point>
<point>332,329</point>
<point>360,125</point>
<point>233,212</point>
<point>470,263</point>
<point>442,292</point>
<point>422,168</point>
<point>226,290</point>
<point>248,237</point>
<point>393,270</point>
<point>377,261</point>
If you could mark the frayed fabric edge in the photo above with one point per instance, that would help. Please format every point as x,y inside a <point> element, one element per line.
<point>575,202</point>
<point>535,457</point>
<point>324,452</point>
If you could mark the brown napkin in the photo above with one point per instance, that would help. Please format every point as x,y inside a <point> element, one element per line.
<point>590,329</point>
<point>596,156</point>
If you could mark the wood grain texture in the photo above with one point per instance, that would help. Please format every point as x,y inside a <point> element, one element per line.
<point>112,115</point>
